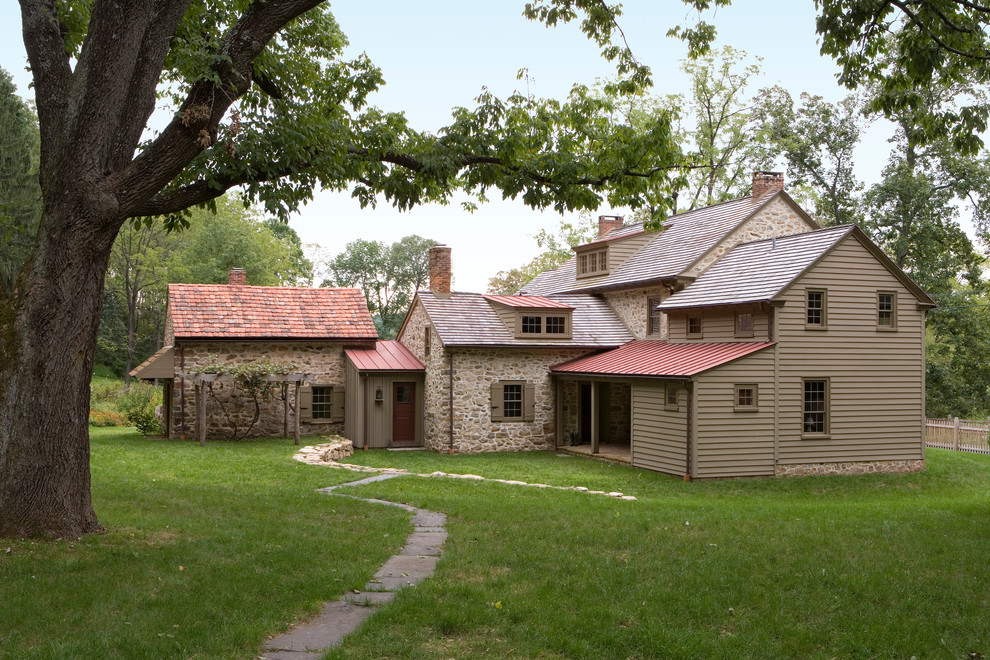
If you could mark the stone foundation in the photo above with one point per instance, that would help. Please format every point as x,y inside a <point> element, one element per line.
<point>858,467</point>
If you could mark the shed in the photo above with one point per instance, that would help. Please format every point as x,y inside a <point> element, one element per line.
<point>384,406</point>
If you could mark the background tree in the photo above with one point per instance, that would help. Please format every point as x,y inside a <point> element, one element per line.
<point>817,141</point>
<point>389,276</point>
<point>20,193</point>
<point>556,250</point>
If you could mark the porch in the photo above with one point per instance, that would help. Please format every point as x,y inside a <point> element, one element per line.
<point>614,453</point>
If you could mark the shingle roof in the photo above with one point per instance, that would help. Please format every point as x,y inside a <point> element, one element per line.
<point>684,239</point>
<point>659,359</point>
<point>223,311</point>
<point>387,355</point>
<point>528,302</point>
<point>757,271</point>
<point>467,319</point>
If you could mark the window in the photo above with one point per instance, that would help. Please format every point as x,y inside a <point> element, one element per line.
<point>886,311</point>
<point>671,400</point>
<point>815,406</point>
<point>815,309</point>
<point>694,327</point>
<point>426,341</point>
<point>322,402</point>
<point>532,325</point>
<point>744,324</point>
<point>654,316</point>
<point>592,263</point>
<point>512,401</point>
<point>746,397</point>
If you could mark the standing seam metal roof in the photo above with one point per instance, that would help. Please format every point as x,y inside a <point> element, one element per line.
<point>387,355</point>
<point>468,319</point>
<point>660,358</point>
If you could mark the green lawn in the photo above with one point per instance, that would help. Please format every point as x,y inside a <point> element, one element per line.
<point>210,550</point>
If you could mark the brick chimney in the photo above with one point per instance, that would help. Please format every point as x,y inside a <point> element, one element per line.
<point>607,223</point>
<point>764,182</point>
<point>440,270</point>
<point>237,277</point>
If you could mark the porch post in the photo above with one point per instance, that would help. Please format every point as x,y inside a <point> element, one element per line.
<point>285,410</point>
<point>594,417</point>
<point>295,396</point>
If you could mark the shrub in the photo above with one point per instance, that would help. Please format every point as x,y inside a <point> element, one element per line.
<point>138,404</point>
<point>104,394</point>
<point>106,418</point>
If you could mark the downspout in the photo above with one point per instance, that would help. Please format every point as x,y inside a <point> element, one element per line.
<point>182,392</point>
<point>450,398</point>
<point>690,429</point>
<point>366,398</point>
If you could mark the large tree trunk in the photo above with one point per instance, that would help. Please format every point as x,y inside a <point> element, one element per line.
<point>47,333</point>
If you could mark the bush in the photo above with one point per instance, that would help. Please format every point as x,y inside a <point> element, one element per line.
<point>104,394</point>
<point>106,418</point>
<point>138,404</point>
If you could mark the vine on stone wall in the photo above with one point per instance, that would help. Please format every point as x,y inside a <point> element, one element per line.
<point>254,379</point>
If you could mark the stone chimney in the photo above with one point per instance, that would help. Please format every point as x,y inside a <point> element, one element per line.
<point>237,277</point>
<point>607,223</point>
<point>440,270</point>
<point>764,182</point>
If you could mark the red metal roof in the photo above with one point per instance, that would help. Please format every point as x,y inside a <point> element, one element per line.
<point>529,302</point>
<point>387,355</point>
<point>660,358</point>
<point>224,311</point>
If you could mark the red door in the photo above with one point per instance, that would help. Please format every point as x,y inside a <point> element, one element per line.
<point>404,413</point>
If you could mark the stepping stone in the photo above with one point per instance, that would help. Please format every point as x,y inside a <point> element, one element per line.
<point>337,620</point>
<point>370,598</point>
<point>289,655</point>
<point>428,519</point>
<point>390,583</point>
<point>406,566</point>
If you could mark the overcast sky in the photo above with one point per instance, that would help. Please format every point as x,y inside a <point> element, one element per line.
<point>438,54</point>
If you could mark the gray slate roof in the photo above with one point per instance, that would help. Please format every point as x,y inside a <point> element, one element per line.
<point>467,319</point>
<point>757,271</point>
<point>685,238</point>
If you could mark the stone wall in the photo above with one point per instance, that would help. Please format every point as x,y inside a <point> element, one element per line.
<point>619,429</point>
<point>859,467</point>
<point>778,218</point>
<point>630,306</point>
<point>229,407</point>
<point>475,369</point>
<point>436,425</point>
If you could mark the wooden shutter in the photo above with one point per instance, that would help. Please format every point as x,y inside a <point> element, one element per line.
<point>497,394</point>
<point>337,404</point>
<point>305,403</point>
<point>529,402</point>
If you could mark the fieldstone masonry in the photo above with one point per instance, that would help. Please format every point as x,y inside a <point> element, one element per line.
<point>229,407</point>
<point>858,467</point>
<point>631,308</point>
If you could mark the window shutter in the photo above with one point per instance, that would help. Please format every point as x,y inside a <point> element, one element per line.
<point>529,402</point>
<point>497,391</point>
<point>305,403</point>
<point>337,404</point>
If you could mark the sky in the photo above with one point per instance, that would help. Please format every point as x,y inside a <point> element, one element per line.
<point>438,54</point>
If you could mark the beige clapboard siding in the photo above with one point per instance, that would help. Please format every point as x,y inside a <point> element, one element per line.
<point>876,387</point>
<point>728,442</point>
<point>717,324</point>
<point>658,435</point>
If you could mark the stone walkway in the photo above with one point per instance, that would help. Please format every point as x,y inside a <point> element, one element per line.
<point>416,561</point>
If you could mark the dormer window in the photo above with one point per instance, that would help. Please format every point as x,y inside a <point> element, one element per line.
<point>592,262</point>
<point>543,325</point>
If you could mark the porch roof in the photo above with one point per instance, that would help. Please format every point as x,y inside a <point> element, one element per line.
<point>659,359</point>
<point>387,355</point>
<point>159,365</point>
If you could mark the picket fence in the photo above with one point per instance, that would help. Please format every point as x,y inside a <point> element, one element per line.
<point>958,434</point>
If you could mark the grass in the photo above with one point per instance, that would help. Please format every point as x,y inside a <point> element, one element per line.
<point>208,552</point>
<point>875,566</point>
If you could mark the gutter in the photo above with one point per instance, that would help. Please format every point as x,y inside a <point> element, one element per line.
<point>690,429</point>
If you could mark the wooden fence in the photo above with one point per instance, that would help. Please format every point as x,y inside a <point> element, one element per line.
<point>958,434</point>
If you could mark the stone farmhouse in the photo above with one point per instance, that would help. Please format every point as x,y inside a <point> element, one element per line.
<point>739,340</point>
